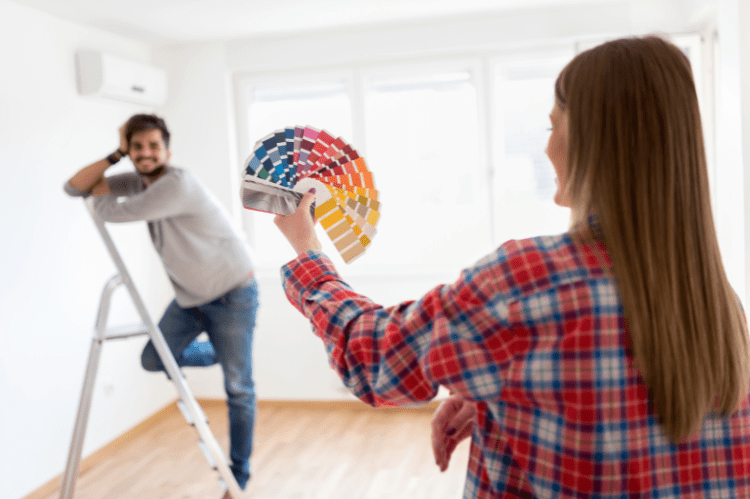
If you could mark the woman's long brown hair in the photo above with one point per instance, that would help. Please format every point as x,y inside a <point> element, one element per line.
<point>636,161</point>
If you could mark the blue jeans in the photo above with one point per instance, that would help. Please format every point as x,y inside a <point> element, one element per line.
<point>229,321</point>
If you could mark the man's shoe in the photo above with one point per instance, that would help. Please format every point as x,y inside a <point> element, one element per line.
<point>199,354</point>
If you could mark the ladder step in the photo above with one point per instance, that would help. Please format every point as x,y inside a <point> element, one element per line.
<point>209,458</point>
<point>121,332</point>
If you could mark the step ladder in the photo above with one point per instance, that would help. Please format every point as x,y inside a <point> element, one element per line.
<point>187,404</point>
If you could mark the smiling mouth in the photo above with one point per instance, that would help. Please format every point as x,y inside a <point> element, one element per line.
<point>146,163</point>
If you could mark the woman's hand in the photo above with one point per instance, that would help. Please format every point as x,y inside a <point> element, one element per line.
<point>452,422</point>
<point>299,227</point>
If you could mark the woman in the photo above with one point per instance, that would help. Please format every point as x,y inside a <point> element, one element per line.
<point>609,360</point>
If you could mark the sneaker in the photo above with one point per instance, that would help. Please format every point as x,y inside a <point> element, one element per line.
<point>199,354</point>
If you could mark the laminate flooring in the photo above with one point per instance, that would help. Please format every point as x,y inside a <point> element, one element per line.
<point>301,451</point>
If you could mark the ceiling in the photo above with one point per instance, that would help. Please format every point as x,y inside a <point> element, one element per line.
<point>165,21</point>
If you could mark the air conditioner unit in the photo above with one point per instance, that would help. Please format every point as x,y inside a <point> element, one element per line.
<point>109,76</point>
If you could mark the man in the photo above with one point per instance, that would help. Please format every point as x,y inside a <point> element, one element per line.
<point>206,261</point>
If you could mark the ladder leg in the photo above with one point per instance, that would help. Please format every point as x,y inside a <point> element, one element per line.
<point>195,416</point>
<point>79,431</point>
<point>74,456</point>
<point>170,365</point>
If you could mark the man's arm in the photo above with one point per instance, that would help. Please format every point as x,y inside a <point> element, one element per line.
<point>91,178</point>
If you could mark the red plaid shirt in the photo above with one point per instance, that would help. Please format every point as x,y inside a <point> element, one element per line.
<point>535,334</point>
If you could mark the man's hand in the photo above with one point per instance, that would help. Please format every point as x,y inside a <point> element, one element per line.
<point>452,422</point>
<point>123,140</point>
<point>299,227</point>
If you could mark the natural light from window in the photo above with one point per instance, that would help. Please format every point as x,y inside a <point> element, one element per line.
<point>422,142</point>
<point>524,180</point>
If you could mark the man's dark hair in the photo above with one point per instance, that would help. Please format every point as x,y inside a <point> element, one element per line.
<point>143,122</point>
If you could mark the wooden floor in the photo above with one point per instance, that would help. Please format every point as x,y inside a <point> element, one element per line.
<point>302,451</point>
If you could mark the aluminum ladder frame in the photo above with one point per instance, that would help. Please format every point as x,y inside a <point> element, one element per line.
<point>187,403</point>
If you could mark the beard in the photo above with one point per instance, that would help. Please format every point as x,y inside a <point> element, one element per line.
<point>153,173</point>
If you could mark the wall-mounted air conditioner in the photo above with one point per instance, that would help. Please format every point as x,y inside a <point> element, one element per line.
<point>109,76</point>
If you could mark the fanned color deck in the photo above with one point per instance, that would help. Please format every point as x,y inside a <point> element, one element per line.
<point>287,163</point>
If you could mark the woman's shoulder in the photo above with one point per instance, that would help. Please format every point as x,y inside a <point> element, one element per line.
<point>550,245</point>
<point>534,264</point>
<point>556,249</point>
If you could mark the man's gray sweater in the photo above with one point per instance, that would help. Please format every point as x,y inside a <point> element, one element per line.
<point>202,253</point>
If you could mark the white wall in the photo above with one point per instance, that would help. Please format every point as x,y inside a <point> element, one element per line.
<point>53,263</point>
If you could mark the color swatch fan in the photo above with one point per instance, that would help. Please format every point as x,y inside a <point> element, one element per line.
<point>287,163</point>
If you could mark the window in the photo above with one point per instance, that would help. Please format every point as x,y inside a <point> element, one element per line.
<point>324,104</point>
<point>457,149</point>
<point>524,181</point>
<point>428,133</point>
<point>421,131</point>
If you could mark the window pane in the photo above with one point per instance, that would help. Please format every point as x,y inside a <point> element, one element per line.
<point>524,184</point>
<point>422,146</point>
<point>320,105</point>
<point>323,105</point>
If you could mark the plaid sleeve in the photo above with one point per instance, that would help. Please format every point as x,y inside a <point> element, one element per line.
<point>399,355</point>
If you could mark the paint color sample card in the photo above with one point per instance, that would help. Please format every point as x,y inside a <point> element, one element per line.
<point>288,162</point>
